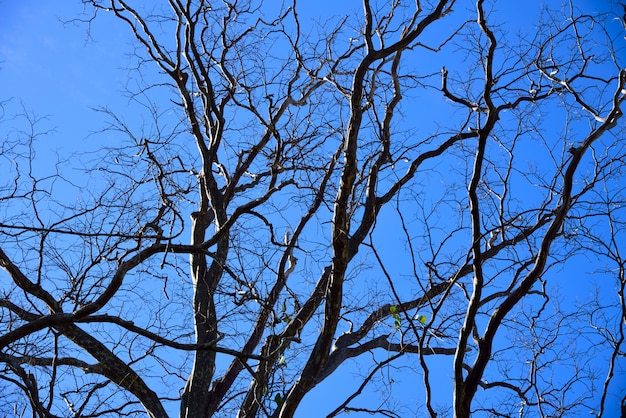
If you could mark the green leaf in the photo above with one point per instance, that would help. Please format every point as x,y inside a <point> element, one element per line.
<point>397,321</point>
<point>278,399</point>
<point>422,319</point>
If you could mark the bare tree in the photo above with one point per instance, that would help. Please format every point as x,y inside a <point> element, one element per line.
<point>403,187</point>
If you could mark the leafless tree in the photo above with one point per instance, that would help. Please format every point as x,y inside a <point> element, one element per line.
<point>410,187</point>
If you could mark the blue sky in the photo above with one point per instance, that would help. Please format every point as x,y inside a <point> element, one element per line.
<point>55,70</point>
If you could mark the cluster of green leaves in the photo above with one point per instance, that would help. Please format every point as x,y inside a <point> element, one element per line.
<point>397,321</point>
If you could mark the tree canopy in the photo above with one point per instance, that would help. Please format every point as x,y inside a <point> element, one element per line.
<point>393,209</point>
